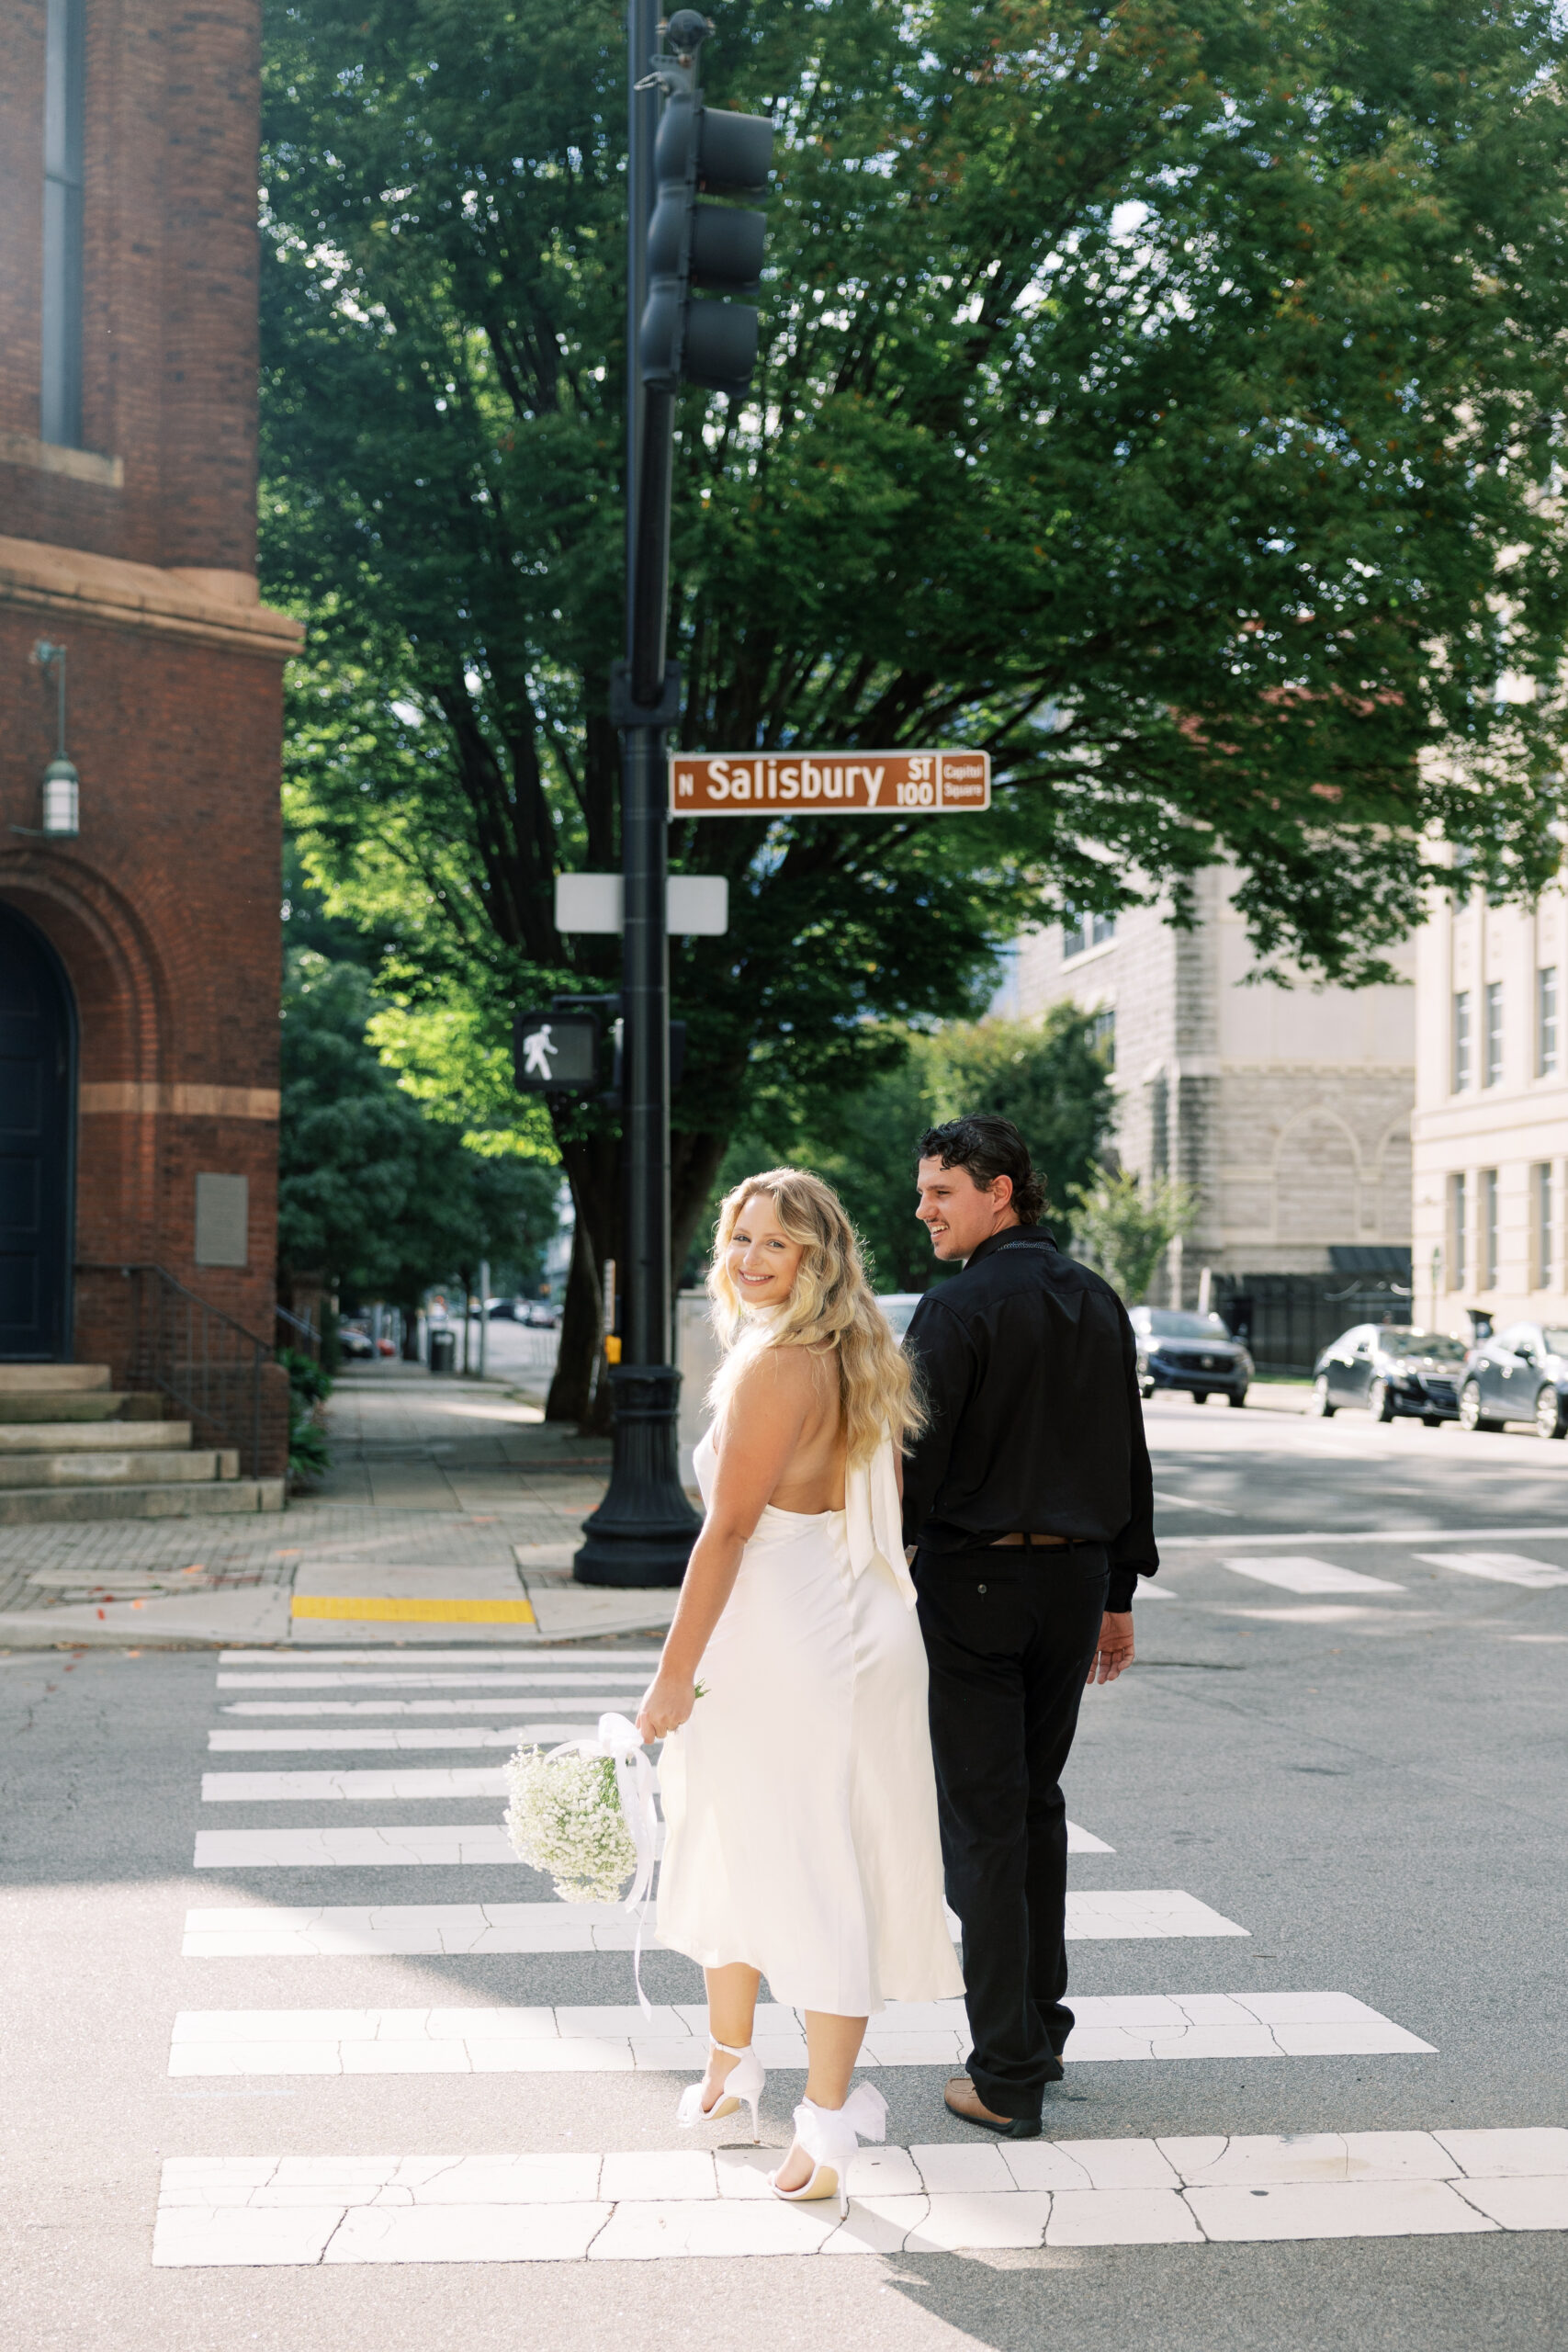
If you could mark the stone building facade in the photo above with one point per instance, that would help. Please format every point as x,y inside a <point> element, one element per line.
<point>140,955</point>
<point>1491,1126</point>
<point>1287,1110</point>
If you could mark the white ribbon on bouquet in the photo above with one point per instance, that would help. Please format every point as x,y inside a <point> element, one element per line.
<point>635,1786</point>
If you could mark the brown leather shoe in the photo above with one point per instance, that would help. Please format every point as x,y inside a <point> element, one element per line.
<point>964,2101</point>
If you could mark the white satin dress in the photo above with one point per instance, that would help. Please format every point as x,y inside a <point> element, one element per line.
<point>800,1799</point>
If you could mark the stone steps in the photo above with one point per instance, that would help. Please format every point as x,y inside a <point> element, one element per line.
<point>74,1448</point>
<point>52,1379</point>
<point>87,1437</point>
<point>125,1467</point>
<point>211,1498</point>
<point>60,1405</point>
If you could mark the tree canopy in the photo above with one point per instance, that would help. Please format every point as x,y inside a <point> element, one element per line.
<point>372,1193</point>
<point>1166,396</point>
<point>1049,1078</point>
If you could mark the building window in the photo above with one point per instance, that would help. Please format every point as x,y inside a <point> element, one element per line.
<point>1541,1186</point>
<point>60,391</point>
<point>1487,1238</point>
<point>1102,1035</point>
<point>1493,1070</point>
<point>1080,933</point>
<point>1462,1040</point>
<point>1458,1270</point>
<point>1546,1021</point>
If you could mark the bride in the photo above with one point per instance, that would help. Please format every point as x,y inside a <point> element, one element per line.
<point>798,1792</point>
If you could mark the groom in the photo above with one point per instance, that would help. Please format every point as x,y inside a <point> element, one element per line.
<point>1028,1501</point>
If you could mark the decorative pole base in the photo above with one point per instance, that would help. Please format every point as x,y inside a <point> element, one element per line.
<point>643,1531</point>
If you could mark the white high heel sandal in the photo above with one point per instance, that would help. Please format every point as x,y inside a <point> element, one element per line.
<point>745,2081</point>
<point>829,2136</point>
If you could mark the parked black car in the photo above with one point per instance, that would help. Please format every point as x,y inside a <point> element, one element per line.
<point>1389,1369</point>
<point>1519,1373</point>
<point>1179,1348</point>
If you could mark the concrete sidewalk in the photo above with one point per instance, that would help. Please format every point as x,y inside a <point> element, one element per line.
<point>451,1512</point>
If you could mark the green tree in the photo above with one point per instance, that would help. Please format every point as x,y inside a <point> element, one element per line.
<point>1048,1078</point>
<point>1162,397</point>
<point>373,1194</point>
<point>1125,1227</point>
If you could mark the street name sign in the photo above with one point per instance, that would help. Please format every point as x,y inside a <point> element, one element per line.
<point>830,784</point>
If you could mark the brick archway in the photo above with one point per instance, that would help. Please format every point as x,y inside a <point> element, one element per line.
<point>122,1010</point>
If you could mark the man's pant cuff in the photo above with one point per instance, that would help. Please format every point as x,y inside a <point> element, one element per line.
<point>1006,2098</point>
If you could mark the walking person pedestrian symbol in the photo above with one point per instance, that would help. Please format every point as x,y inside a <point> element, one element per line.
<point>537,1051</point>
<point>555,1052</point>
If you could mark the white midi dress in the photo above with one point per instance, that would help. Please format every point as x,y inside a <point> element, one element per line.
<point>800,1798</point>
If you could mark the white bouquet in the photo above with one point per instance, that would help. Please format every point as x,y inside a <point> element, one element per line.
<point>565,1817</point>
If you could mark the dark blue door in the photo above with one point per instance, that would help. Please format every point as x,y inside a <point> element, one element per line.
<point>37,1076</point>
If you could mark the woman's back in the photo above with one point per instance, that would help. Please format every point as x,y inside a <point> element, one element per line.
<point>813,1478</point>
<point>787,1395</point>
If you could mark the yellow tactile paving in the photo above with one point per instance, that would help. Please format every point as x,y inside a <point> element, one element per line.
<point>429,1613</point>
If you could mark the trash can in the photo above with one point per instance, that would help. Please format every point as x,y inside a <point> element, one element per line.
<point>442,1350</point>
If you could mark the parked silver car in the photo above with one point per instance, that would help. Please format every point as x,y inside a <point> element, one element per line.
<point>1389,1369</point>
<point>1181,1349</point>
<point>1519,1373</point>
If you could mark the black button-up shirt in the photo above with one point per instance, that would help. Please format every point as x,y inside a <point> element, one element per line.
<point>1028,1368</point>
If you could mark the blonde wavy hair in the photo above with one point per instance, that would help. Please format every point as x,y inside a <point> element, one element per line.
<point>831,1305</point>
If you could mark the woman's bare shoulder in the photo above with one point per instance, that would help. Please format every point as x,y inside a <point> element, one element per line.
<point>777,1375</point>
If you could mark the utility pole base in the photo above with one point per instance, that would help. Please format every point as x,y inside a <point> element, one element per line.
<point>643,1531</point>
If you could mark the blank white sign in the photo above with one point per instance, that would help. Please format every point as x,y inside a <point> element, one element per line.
<point>222,1220</point>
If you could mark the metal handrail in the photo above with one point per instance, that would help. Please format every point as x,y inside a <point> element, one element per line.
<point>303,1326</point>
<point>191,1351</point>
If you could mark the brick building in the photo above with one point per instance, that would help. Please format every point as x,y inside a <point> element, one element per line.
<point>140,955</point>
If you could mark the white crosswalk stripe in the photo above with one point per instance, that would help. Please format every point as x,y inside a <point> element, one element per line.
<point>614,2039</point>
<point>417,1783</point>
<point>925,2198</point>
<point>597,1663</point>
<point>588,1703</point>
<point>343,1931</point>
<point>568,2205</point>
<point>308,1678</point>
<point>1498,1567</point>
<point>368,1736</point>
<point>1299,1574</point>
<point>474,1844</point>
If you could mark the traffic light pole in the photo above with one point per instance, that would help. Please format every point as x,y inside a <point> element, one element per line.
<point>643,1531</point>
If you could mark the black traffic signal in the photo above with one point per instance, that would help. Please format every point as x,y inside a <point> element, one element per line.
<point>717,247</point>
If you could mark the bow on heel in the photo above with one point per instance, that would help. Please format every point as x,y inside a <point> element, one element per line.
<point>745,2081</point>
<point>829,2136</point>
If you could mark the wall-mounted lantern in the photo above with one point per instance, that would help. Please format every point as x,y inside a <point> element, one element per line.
<point>62,785</point>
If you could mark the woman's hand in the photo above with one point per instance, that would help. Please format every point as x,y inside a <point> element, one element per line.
<point>667,1702</point>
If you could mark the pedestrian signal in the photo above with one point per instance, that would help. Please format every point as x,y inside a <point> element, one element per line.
<point>555,1052</point>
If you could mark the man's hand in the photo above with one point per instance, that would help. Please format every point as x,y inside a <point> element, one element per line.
<point>666,1706</point>
<point>1114,1648</point>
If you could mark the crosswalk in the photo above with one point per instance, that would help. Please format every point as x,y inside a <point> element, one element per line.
<point>348,2205</point>
<point>944,2198</point>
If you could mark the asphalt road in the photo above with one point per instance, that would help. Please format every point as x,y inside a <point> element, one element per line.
<point>1368,1776</point>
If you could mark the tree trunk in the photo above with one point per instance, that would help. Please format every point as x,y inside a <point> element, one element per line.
<point>695,1161</point>
<point>571,1389</point>
<point>593,1165</point>
<point>409,1309</point>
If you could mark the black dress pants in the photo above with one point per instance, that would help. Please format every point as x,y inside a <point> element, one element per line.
<point>1010,1634</point>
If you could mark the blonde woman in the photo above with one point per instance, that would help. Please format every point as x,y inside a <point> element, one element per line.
<point>798,1791</point>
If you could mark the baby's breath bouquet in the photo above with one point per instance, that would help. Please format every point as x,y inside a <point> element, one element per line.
<point>565,1817</point>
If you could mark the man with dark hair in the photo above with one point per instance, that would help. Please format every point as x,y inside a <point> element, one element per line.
<point>1027,1503</point>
